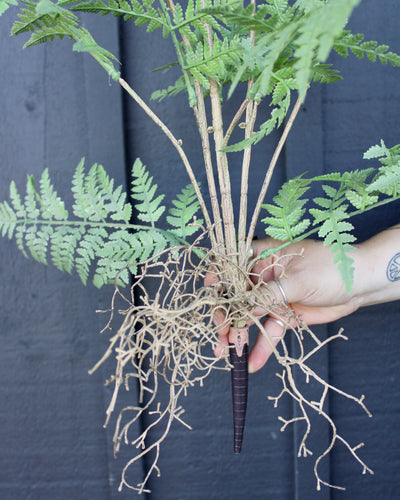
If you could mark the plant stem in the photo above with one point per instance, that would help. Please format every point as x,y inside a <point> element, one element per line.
<point>270,171</point>
<point>234,121</point>
<point>200,113</point>
<point>178,147</point>
<point>223,171</point>
<point>201,117</point>
<point>251,114</point>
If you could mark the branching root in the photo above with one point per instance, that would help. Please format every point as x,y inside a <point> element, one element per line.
<point>168,334</point>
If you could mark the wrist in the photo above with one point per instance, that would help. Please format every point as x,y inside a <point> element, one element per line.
<point>376,278</point>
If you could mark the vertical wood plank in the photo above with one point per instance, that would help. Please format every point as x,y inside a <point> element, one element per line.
<point>359,112</point>
<point>201,464</point>
<point>304,153</point>
<point>56,107</point>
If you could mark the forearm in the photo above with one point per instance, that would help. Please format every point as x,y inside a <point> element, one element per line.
<point>377,273</point>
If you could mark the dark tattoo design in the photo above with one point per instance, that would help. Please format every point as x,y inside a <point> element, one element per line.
<point>393,268</point>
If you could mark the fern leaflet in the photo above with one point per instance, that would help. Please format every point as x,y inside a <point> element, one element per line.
<point>101,240</point>
<point>141,12</point>
<point>286,216</point>
<point>6,4</point>
<point>344,194</point>
<point>48,20</point>
<point>387,180</point>
<point>183,212</point>
<point>143,190</point>
<point>354,42</point>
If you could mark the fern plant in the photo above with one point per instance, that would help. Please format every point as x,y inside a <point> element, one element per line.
<point>278,49</point>
<point>100,238</point>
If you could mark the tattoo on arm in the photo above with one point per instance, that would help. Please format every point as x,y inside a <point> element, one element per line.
<point>393,268</point>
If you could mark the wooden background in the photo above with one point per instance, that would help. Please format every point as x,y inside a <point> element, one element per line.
<point>57,106</point>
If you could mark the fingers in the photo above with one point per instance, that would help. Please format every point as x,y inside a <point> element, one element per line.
<point>222,347</point>
<point>263,348</point>
<point>210,279</point>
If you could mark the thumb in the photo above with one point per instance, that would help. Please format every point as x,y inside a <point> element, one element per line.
<point>267,339</point>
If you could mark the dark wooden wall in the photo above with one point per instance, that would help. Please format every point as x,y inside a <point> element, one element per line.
<point>57,106</point>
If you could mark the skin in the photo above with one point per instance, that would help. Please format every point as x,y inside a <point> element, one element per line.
<point>314,288</point>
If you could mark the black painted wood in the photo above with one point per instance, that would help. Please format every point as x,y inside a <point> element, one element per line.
<point>357,113</point>
<point>55,107</point>
<point>304,152</point>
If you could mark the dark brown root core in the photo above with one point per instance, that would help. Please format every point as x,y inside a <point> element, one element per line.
<point>239,376</point>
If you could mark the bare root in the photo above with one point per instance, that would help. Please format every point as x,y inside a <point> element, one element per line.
<point>167,335</point>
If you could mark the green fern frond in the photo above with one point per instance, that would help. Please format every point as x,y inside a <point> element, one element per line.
<point>335,231</point>
<point>202,61</point>
<point>86,43</point>
<point>387,156</point>
<point>141,12</point>
<point>52,207</point>
<point>16,201</point>
<point>281,86</point>
<point>354,43</point>
<point>183,212</point>
<point>47,20</point>
<point>172,90</point>
<point>352,186</point>
<point>8,220</point>
<point>265,55</point>
<point>305,35</point>
<point>308,5</point>
<point>286,215</point>
<point>63,243</point>
<point>344,195</point>
<point>324,73</point>
<point>44,19</point>
<point>143,190</point>
<point>88,249</point>
<point>316,36</point>
<point>387,179</point>
<point>6,4</point>
<point>88,194</point>
<point>100,241</point>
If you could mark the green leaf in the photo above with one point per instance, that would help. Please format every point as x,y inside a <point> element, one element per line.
<point>143,190</point>
<point>100,240</point>
<point>142,13</point>
<point>354,43</point>
<point>48,20</point>
<point>286,220</point>
<point>6,4</point>
<point>336,233</point>
<point>52,207</point>
<point>182,214</point>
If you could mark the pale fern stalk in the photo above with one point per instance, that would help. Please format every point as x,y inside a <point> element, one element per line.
<point>177,145</point>
<point>235,121</point>
<point>223,172</point>
<point>251,115</point>
<point>201,116</point>
<point>270,171</point>
<point>209,167</point>
<point>217,241</point>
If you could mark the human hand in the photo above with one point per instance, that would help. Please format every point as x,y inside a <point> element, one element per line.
<point>311,284</point>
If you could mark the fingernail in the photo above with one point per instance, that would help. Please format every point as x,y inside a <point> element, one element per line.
<point>250,368</point>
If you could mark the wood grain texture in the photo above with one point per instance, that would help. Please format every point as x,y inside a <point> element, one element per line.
<point>56,107</point>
